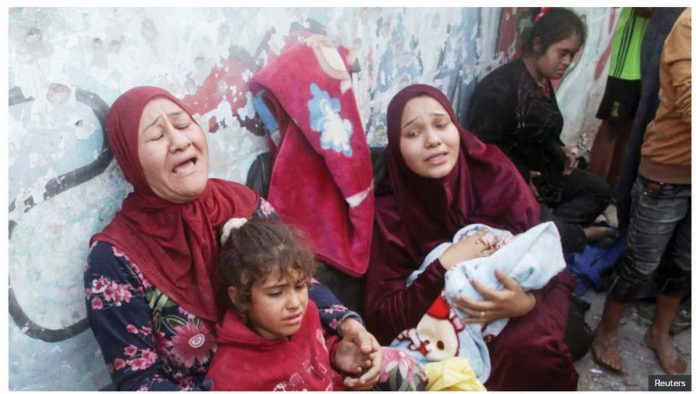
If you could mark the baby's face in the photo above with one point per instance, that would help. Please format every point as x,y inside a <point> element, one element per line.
<point>278,304</point>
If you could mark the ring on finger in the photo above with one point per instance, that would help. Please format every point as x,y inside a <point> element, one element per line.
<point>482,314</point>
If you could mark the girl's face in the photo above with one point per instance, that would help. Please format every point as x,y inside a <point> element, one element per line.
<point>429,140</point>
<point>173,151</point>
<point>558,56</point>
<point>278,304</point>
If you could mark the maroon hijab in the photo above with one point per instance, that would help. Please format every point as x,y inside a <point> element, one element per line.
<point>174,245</point>
<point>484,187</point>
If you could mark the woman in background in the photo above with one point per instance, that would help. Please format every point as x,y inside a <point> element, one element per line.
<point>515,108</point>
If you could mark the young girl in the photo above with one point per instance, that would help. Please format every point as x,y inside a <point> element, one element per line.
<point>515,108</point>
<point>271,337</point>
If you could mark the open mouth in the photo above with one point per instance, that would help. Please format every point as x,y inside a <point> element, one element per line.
<point>185,167</point>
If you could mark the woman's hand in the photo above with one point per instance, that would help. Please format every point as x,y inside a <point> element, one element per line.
<point>361,354</point>
<point>571,160</point>
<point>511,301</point>
<point>467,248</point>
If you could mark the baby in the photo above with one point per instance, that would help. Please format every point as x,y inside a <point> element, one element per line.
<point>531,258</point>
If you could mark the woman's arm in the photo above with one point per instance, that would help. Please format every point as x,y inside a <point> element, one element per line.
<point>121,321</point>
<point>391,306</point>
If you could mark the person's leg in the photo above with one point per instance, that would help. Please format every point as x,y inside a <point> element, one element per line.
<point>573,237</point>
<point>614,173</point>
<point>602,149</point>
<point>654,218</point>
<point>605,344</point>
<point>657,337</point>
<point>674,283</point>
<point>583,198</point>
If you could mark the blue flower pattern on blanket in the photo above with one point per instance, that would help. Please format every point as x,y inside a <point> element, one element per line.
<point>324,118</point>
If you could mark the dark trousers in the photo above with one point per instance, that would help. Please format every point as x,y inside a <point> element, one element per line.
<point>659,241</point>
<point>584,196</point>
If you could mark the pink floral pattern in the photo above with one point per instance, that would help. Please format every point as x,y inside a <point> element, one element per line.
<point>398,363</point>
<point>106,293</point>
<point>148,341</point>
<point>192,343</point>
<point>173,337</point>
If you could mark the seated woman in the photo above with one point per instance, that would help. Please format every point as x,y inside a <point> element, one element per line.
<point>149,293</point>
<point>514,107</point>
<point>441,178</point>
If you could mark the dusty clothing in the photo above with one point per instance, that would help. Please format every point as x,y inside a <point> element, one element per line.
<point>245,361</point>
<point>148,340</point>
<point>509,109</point>
<point>666,151</point>
<point>659,233</point>
<point>661,21</point>
<point>148,282</point>
<point>659,240</point>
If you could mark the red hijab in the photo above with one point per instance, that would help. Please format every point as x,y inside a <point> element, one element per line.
<point>484,187</point>
<point>174,245</point>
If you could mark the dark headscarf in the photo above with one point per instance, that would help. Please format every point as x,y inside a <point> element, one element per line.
<point>174,245</point>
<point>483,187</point>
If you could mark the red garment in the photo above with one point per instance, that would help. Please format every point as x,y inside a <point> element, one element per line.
<point>321,180</point>
<point>415,214</point>
<point>245,361</point>
<point>174,245</point>
<point>484,187</point>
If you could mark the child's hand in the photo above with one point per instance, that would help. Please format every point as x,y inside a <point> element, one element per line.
<point>468,248</point>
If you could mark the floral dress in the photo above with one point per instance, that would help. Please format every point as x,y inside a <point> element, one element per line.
<point>148,341</point>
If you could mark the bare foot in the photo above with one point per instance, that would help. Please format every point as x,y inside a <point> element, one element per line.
<point>606,352</point>
<point>665,351</point>
<point>605,235</point>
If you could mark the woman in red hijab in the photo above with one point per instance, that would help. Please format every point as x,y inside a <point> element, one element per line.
<point>441,178</point>
<point>149,291</point>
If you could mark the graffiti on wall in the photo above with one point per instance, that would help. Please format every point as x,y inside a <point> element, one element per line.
<point>66,66</point>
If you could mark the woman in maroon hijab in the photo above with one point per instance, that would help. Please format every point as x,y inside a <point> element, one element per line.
<point>441,178</point>
<point>149,291</point>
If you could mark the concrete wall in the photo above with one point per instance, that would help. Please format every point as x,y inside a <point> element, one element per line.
<point>67,65</point>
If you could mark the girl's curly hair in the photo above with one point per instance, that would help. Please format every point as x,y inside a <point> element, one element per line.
<point>251,252</point>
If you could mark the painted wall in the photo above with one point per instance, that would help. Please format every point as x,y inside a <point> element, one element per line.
<point>67,65</point>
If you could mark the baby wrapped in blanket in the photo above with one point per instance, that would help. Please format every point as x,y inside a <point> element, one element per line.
<point>531,258</point>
